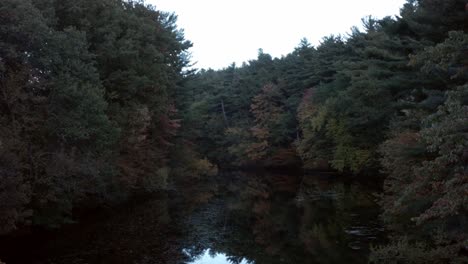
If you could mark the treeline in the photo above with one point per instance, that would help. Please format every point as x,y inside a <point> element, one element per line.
<point>87,112</point>
<point>390,99</point>
<point>95,106</point>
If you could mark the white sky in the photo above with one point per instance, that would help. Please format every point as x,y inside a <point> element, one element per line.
<point>226,31</point>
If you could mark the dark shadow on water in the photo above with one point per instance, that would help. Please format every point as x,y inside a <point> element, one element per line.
<point>236,217</point>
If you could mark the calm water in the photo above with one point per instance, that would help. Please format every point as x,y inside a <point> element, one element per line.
<point>239,218</point>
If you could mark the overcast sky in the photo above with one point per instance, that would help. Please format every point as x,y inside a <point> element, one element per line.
<point>225,31</point>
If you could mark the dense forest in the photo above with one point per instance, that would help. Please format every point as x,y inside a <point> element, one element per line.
<point>99,103</point>
<point>87,105</point>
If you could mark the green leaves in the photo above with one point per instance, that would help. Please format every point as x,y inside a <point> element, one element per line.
<point>86,102</point>
<point>424,156</point>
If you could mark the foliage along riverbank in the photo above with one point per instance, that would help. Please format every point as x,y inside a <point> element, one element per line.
<point>87,105</point>
<point>96,105</point>
<point>389,100</point>
<point>260,216</point>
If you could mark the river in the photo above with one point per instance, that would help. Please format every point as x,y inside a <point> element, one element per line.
<point>235,218</point>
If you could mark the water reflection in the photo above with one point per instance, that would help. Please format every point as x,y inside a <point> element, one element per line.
<point>236,218</point>
<point>209,257</point>
<point>286,219</point>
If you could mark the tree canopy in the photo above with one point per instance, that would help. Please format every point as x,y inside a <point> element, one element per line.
<point>97,103</point>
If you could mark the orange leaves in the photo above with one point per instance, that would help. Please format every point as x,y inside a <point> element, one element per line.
<point>306,108</point>
<point>148,139</point>
<point>168,125</point>
<point>259,132</point>
<point>266,106</point>
<point>204,167</point>
<point>257,151</point>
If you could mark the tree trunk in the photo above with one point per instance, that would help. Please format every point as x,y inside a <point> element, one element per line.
<point>224,112</point>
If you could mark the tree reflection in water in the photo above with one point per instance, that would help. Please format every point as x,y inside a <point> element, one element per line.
<point>271,218</point>
<point>235,218</point>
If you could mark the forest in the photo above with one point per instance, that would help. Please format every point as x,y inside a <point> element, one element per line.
<point>99,103</point>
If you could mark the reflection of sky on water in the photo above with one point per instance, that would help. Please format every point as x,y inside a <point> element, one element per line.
<point>209,258</point>
<point>266,218</point>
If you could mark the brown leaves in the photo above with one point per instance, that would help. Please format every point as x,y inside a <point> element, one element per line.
<point>306,108</point>
<point>260,133</point>
<point>257,150</point>
<point>266,106</point>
